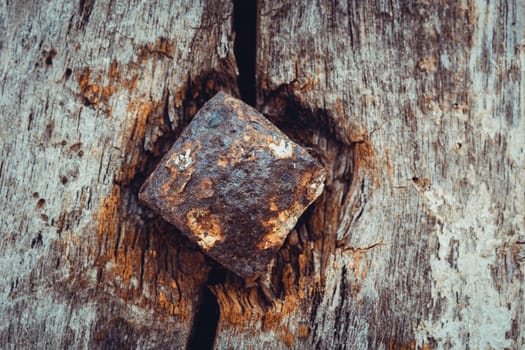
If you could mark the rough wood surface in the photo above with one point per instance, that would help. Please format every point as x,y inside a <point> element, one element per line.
<point>234,184</point>
<point>92,93</point>
<point>414,107</point>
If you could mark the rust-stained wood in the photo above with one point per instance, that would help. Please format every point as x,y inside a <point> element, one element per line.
<point>92,95</point>
<point>235,185</point>
<point>414,107</point>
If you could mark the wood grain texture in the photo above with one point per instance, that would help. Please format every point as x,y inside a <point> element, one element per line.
<point>414,107</point>
<point>422,106</point>
<point>92,93</point>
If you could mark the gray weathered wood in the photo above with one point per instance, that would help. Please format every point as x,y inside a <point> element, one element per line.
<point>91,92</point>
<point>415,107</point>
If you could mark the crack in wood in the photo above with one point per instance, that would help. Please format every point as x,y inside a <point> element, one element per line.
<point>363,249</point>
<point>203,330</point>
<point>206,320</point>
<point>244,26</point>
<point>85,9</point>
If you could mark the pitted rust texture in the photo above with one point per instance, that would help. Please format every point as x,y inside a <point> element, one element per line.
<point>234,184</point>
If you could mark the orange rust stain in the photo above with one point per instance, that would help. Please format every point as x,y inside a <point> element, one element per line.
<point>275,315</point>
<point>83,78</point>
<point>308,84</point>
<point>303,331</point>
<point>273,205</point>
<point>90,90</point>
<point>116,251</point>
<point>166,303</point>
<point>223,161</point>
<point>108,217</point>
<point>302,262</point>
<point>179,97</point>
<point>121,261</point>
<point>363,272</point>
<point>108,228</point>
<point>130,84</point>
<point>165,46</point>
<point>427,64</point>
<point>243,306</point>
<point>162,47</point>
<point>339,107</point>
<point>132,148</point>
<point>264,83</point>
<point>94,90</point>
<point>100,88</point>
<point>237,308</point>
<point>305,85</point>
<point>144,52</point>
<point>393,345</point>
<point>289,281</point>
<point>357,134</point>
<point>205,189</point>
<point>114,71</point>
<point>205,225</point>
<point>365,159</point>
<point>288,338</point>
<point>389,169</point>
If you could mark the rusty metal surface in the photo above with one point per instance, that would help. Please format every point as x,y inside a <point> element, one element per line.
<point>234,184</point>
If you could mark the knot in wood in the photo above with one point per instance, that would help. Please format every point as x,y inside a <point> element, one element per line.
<point>234,184</point>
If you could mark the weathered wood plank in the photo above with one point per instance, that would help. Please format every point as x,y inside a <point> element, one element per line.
<point>412,244</point>
<point>415,108</point>
<point>92,92</point>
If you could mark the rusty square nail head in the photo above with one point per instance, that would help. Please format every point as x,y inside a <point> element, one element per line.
<point>234,184</point>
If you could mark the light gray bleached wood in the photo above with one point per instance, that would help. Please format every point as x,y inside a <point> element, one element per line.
<point>86,88</point>
<point>416,107</point>
<point>423,251</point>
